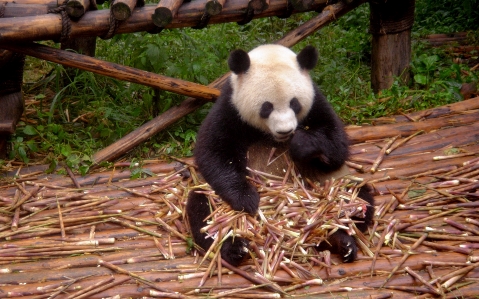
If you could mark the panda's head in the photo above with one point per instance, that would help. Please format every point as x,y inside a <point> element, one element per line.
<point>272,89</point>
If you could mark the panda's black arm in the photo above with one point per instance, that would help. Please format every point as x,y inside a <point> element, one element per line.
<point>220,155</point>
<point>321,139</point>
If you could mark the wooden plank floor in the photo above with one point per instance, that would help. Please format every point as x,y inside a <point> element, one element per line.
<point>106,235</point>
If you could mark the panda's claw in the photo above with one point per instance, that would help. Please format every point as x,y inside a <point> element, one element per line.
<point>349,252</point>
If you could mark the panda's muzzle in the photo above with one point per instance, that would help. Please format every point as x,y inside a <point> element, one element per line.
<point>283,135</point>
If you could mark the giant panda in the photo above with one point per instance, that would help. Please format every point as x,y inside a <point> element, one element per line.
<point>269,99</point>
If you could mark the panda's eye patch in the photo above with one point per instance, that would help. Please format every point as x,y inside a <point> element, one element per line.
<point>266,109</point>
<point>295,105</point>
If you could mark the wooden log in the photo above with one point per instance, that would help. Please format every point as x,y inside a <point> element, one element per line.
<point>461,106</point>
<point>258,5</point>
<point>122,9</point>
<point>98,178</point>
<point>77,8</point>
<point>391,23</point>
<point>302,5</point>
<point>361,134</point>
<point>13,10</point>
<point>165,11</point>
<point>49,3</point>
<point>169,117</point>
<point>169,279</point>
<point>324,18</point>
<point>116,71</point>
<point>96,23</point>
<point>454,136</point>
<point>356,288</point>
<point>441,39</point>
<point>214,7</point>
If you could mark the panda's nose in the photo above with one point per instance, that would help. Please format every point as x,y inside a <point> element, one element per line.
<point>285,132</point>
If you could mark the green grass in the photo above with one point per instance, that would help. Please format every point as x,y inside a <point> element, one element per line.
<point>70,122</point>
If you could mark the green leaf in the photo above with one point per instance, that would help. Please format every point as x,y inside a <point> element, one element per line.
<point>32,146</point>
<point>153,54</point>
<point>135,173</point>
<point>83,169</point>
<point>52,166</point>
<point>148,172</point>
<point>430,60</point>
<point>29,130</point>
<point>23,154</point>
<point>66,150</point>
<point>421,79</point>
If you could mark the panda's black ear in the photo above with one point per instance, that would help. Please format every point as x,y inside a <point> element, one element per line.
<point>239,62</point>
<point>307,58</point>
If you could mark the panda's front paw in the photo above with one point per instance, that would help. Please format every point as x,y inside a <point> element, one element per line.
<point>234,250</point>
<point>302,148</point>
<point>246,200</point>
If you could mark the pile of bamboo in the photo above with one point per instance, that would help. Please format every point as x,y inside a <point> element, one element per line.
<point>107,236</point>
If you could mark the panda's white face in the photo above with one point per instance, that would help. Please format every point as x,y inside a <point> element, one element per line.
<point>274,93</point>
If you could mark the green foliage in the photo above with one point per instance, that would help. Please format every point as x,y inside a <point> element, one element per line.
<point>446,16</point>
<point>86,112</point>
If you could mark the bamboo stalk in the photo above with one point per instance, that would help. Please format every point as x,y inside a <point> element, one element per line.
<point>382,153</point>
<point>137,277</point>
<point>91,288</point>
<point>431,289</point>
<point>405,257</point>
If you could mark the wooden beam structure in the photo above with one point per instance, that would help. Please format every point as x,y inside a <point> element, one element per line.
<point>97,23</point>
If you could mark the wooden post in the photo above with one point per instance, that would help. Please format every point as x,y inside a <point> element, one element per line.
<point>11,100</point>
<point>390,24</point>
<point>83,45</point>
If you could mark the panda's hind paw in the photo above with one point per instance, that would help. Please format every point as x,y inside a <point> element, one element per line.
<point>346,247</point>
<point>342,244</point>
<point>234,250</point>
